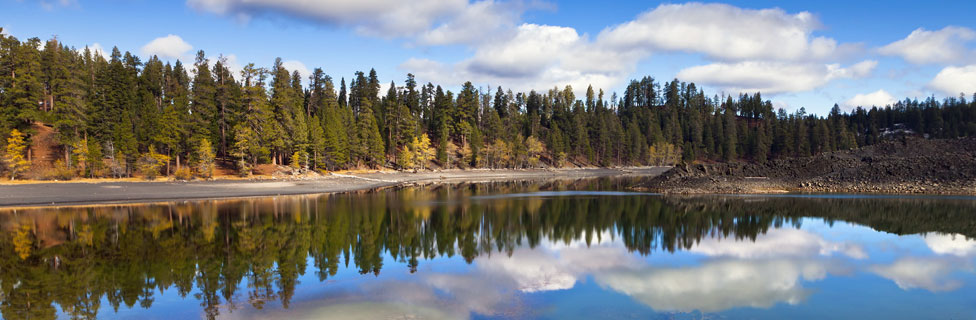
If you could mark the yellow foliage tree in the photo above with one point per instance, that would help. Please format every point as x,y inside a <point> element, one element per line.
<point>296,161</point>
<point>422,150</point>
<point>534,148</point>
<point>664,154</point>
<point>80,154</point>
<point>499,153</point>
<point>405,157</point>
<point>151,163</point>
<point>205,159</point>
<point>15,154</point>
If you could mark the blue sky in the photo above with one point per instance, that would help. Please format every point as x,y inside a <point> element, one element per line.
<point>799,54</point>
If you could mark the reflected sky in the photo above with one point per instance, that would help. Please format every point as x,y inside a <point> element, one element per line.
<point>540,251</point>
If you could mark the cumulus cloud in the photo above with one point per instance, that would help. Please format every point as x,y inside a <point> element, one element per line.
<point>752,57</point>
<point>554,268</point>
<point>769,50</point>
<point>773,77</point>
<point>170,46</point>
<point>718,285</point>
<point>436,296</point>
<point>878,98</point>
<point>951,244</point>
<point>434,21</point>
<point>914,273</point>
<point>477,22</point>
<point>536,57</point>
<point>955,80</point>
<point>941,46</point>
<point>724,32</point>
<point>777,243</point>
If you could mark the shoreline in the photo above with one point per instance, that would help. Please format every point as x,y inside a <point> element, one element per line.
<point>738,186</point>
<point>74,193</point>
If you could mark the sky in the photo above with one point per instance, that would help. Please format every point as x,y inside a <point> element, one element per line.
<point>809,54</point>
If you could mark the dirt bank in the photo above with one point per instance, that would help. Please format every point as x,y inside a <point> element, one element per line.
<point>72,193</point>
<point>903,166</point>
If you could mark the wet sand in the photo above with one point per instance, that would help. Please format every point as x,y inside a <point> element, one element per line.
<point>54,194</point>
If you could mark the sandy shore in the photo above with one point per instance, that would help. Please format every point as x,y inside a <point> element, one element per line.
<point>51,194</point>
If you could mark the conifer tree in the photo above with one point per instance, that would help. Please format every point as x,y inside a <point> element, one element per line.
<point>730,150</point>
<point>202,108</point>
<point>370,148</point>
<point>317,142</point>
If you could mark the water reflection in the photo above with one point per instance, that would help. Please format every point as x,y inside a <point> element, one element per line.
<point>458,251</point>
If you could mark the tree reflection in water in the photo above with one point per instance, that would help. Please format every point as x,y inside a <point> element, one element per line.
<point>77,257</point>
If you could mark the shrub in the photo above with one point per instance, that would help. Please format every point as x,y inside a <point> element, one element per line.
<point>62,172</point>
<point>59,171</point>
<point>150,163</point>
<point>183,173</point>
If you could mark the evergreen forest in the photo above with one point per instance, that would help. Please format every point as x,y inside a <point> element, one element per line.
<point>121,115</point>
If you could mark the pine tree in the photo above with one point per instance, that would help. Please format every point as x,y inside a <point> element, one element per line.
<point>25,88</point>
<point>317,142</point>
<point>244,149</point>
<point>203,112</point>
<point>370,147</point>
<point>729,145</point>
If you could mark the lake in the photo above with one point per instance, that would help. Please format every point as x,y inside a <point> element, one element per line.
<point>585,249</point>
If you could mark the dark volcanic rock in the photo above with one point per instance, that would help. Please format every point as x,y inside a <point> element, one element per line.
<point>906,165</point>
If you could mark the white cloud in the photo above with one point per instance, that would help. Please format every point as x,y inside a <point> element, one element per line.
<point>477,22</point>
<point>435,21</point>
<point>555,267</point>
<point>777,243</point>
<point>537,57</point>
<point>773,77</point>
<point>955,80</point>
<point>913,273</point>
<point>787,59</point>
<point>724,32</point>
<point>717,286</point>
<point>170,46</point>
<point>295,65</point>
<point>951,244</point>
<point>942,46</point>
<point>878,98</point>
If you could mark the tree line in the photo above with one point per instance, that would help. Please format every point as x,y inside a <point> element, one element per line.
<point>118,115</point>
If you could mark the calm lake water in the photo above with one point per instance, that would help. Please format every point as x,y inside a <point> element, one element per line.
<point>554,250</point>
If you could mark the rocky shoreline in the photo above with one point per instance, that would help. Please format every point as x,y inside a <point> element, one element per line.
<point>908,165</point>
